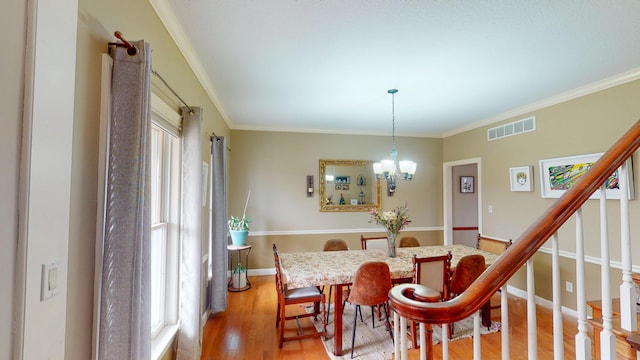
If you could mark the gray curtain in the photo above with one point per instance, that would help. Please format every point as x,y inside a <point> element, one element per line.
<point>218,242</point>
<point>124,322</point>
<point>189,346</point>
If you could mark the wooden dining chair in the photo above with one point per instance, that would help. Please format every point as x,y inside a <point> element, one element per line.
<point>334,245</point>
<point>374,242</point>
<point>432,272</point>
<point>287,296</point>
<point>467,270</point>
<point>497,247</point>
<point>371,285</point>
<point>408,241</point>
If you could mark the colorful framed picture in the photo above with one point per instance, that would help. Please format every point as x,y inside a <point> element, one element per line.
<point>520,178</point>
<point>559,174</point>
<point>467,184</point>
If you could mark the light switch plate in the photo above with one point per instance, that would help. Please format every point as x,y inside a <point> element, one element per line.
<point>49,280</point>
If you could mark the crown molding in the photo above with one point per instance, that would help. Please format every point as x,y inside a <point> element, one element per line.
<point>604,84</point>
<point>168,19</point>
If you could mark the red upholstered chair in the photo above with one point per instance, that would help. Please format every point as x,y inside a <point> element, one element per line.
<point>432,272</point>
<point>408,241</point>
<point>466,272</point>
<point>371,285</point>
<point>286,297</point>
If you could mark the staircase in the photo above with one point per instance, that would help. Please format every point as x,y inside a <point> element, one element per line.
<point>621,328</point>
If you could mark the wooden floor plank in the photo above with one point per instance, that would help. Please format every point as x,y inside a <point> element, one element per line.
<point>247,331</point>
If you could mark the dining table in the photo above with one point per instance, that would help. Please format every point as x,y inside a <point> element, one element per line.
<point>337,268</point>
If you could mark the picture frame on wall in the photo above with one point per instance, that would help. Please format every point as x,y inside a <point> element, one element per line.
<point>520,178</point>
<point>467,184</point>
<point>557,175</point>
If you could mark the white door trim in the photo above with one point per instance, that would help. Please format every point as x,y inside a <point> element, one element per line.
<point>447,194</point>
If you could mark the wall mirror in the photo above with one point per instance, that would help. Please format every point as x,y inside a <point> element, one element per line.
<point>348,185</point>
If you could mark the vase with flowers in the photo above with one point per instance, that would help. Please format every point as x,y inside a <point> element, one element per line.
<point>393,221</point>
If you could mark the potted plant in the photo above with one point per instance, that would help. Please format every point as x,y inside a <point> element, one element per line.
<point>239,227</point>
<point>239,277</point>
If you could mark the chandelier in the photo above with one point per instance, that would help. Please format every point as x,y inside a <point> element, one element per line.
<point>387,168</point>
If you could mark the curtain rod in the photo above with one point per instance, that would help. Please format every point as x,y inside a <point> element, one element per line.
<point>132,50</point>
<point>218,138</point>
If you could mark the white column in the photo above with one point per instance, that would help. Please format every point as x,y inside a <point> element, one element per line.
<point>558,341</point>
<point>607,339</point>
<point>532,329</point>
<point>628,296</point>
<point>582,340</point>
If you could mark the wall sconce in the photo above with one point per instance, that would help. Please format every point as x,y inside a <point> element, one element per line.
<point>309,185</point>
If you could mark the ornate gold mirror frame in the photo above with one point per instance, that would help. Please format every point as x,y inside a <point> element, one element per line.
<point>348,185</point>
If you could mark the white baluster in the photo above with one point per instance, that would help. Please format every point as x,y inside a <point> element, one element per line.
<point>504,317</point>
<point>607,339</point>
<point>582,340</point>
<point>445,341</point>
<point>628,295</point>
<point>403,337</point>
<point>477,354</point>
<point>396,335</point>
<point>532,323</point>
<point>423,342</point>
<point>558,341</point>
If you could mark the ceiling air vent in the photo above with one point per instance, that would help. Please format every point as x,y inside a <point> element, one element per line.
<point>514,128</point>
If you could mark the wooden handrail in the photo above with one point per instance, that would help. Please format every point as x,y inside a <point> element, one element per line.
<point>524,247</point>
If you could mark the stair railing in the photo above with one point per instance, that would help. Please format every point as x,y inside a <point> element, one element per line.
<point>523,249</point>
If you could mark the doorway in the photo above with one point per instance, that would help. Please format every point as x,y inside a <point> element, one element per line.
<point>462,201</point>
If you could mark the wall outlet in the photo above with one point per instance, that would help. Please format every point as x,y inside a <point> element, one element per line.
<point>568,286</point>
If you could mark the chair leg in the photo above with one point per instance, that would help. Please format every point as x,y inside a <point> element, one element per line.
<point>329,303</point>
<point>353,333</point>
<point>282,320</point>
<point>386,317</point>
<point>373,319</point>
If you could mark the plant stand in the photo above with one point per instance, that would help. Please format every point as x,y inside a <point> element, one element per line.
<point>238,249</point>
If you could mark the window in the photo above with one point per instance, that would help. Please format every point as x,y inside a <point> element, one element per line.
<point>165,229</point>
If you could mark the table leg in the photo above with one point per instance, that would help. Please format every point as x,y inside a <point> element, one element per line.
<point>337,321</point>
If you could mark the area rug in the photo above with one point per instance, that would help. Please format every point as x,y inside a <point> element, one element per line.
<point>375,343</point>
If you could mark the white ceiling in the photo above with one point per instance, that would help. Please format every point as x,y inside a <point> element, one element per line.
<point>326,65</point>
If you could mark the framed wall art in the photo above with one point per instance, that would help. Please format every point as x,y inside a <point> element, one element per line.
<point>559,174</point>
<point>520,178</point>
<point>466,184</point>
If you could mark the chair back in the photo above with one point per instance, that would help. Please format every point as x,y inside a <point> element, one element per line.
<point>335,245</point>
<point>433,272</point>
<point>467,270</point>
<point>279,284</point>
<point>492,245</point>
<point>375,242</point>
<point>371,284</point>
<point>408,241</point>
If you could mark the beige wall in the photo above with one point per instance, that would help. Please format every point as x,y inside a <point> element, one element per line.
<point>12,35</point>
<point>274,166</point>
<point>584,125</point>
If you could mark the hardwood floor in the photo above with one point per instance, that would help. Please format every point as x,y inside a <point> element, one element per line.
<point>247,331</point>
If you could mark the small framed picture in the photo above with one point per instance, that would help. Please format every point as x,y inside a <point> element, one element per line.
<point>345,187</point>
<point>520,178</point>
<point>338,187</point>
<point>466,184</point>
<point>354,201</point>
<point>343,179</point>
